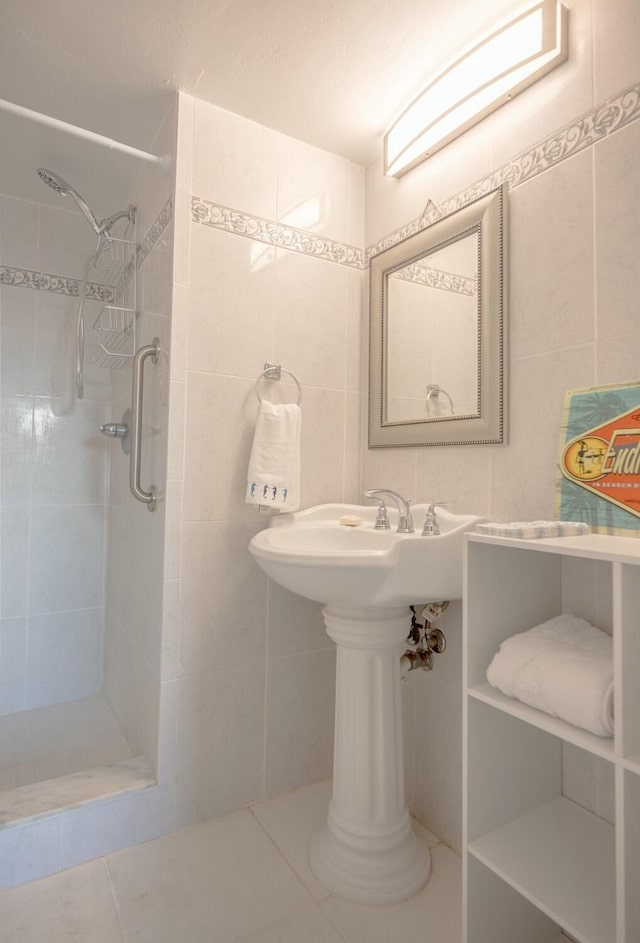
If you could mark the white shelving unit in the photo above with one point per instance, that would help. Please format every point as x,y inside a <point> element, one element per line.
<point>538,867</point>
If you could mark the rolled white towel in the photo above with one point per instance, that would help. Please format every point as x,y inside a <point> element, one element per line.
<point>563,667</point>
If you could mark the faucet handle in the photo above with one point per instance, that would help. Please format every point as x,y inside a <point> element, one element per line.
<point>431,527</point>
<point>382,517</point>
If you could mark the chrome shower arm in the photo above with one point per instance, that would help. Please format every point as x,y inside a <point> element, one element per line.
<point>104,225</point>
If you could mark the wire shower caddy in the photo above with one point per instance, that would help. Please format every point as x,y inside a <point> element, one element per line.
<point>114,268</point>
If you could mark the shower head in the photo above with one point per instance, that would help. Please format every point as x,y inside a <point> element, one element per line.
<point>54,181</point>
<point>59,185</point>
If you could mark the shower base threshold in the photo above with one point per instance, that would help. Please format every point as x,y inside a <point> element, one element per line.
<point>45,798</point>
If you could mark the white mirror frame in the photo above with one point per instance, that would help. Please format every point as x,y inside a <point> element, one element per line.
<point>486,216</point>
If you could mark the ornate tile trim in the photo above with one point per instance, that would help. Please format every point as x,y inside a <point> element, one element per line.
<point>436,278</point>
<point>283,237</point>
<point>163,219</point>
<point>60,284</point>
<point>605,119</point>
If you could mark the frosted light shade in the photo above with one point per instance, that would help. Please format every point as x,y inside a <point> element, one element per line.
<point>487,76</point>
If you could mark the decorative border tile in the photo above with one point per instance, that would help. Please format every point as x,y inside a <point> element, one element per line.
<point>60,284</point>
<point>594,126</point>
<point>283,237</point>
<point>436,278</point>
<point>157,228</point>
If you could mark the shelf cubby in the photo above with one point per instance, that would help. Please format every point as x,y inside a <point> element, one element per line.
<point>556,854</point>
<point>499,914</point>
<point>631,854</point>
<point>551,811</point>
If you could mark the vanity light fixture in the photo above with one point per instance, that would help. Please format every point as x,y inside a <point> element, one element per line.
<point>488,75</point>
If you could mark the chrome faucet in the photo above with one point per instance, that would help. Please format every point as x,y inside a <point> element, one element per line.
<point>382,518</point>
<point>405,520</point>
<point>431,526</point>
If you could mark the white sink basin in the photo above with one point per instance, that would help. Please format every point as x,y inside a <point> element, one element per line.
<point>312,554</point>
<point>366,578</point>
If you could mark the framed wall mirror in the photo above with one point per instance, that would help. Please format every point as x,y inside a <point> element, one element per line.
<point>437,343</point>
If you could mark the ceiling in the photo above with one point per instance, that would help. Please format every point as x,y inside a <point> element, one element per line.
<point>333,73</point>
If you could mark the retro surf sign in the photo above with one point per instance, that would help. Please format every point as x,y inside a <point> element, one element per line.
<point>600,458</point>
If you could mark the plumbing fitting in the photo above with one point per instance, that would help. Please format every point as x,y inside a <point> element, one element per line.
<point>420,659</point>
<point>435,641</point>
<point>433,610</point>
<point>117,430</point>
<point>426,640</point>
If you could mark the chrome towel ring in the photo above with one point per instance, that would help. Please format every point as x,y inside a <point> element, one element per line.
<point>433,389</point>
<point>273,371</point>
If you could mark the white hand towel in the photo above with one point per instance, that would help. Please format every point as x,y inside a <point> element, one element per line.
<point>274,465</point>
<point>563,667</point>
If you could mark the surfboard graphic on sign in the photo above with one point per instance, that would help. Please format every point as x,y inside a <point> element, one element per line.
<point>599,460</point>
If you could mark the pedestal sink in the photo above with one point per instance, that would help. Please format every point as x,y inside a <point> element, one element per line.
<point>366,578</point>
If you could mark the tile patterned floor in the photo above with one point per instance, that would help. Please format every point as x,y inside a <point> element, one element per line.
<point>243,878</point>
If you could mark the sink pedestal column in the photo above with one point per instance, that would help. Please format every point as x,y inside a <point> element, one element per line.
<point>367,851</point>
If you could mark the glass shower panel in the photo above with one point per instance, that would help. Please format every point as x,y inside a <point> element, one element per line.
<point>53,499</point>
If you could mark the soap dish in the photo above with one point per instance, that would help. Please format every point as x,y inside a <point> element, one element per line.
<point>531,530</point>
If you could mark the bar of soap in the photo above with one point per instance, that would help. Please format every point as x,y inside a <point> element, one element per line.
<point>350,520</point>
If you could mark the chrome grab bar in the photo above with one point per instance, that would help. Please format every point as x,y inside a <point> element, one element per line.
<point>147,497</point>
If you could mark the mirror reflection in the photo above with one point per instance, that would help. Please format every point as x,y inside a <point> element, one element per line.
<point>432,325</point>
<point>437,342</point>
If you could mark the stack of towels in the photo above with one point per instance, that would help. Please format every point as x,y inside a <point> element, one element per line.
<point>274,465</point>
<point>563,667</point>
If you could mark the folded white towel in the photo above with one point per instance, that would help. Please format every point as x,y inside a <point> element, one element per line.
<point>563,667</point>
<point>274,465</point>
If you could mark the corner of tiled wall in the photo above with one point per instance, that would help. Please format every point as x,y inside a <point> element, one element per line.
<point>250,668</point>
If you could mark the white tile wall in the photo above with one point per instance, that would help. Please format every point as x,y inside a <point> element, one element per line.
<point>66,568</point>
<point>254,671</point>
<point>232,319</point>
<point>220,763</point>
<point>573,232</point>
<point>313,191</point>
<point>617,195</point>
<point>19,310</point>
<point>223,597</point>
<point>550,285</point>
<point>13,664</point>
<point>235,157</point>
<point>310,328</point>
<point>220,415</point>
<point>616,46</point>
<point>64,649</point>
<point>299,719</point>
